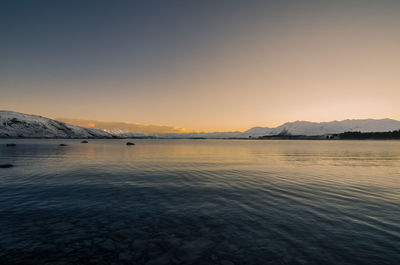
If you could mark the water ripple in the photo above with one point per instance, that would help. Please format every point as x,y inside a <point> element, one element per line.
<point>200,202</point>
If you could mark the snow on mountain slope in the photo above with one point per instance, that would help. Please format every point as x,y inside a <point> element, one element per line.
<point>304,128</point>
<point>15,124</point>
<point>323,128</point>
<point>257,131</point>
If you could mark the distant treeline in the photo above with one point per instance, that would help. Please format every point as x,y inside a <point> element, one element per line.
<point>370,135</point>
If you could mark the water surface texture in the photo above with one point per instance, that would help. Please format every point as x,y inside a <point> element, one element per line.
<point>200,202</point>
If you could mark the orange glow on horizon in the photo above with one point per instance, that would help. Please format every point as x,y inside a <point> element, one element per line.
<point>313,62</point>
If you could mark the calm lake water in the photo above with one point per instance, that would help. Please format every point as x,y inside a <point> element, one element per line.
<point>200,202</point>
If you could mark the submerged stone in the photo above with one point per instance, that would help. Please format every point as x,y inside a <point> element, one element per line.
<point>87,243</point>
<point>154,250</point>
<point>139,244</point>
<point>193,250</point>
<point>226,262</point>
<point>12,144</point>
<point>6,165</point>
<point>63,145</point>
<point>125,256</point>
<point>163,259</point>
<point>129,143</point>
<point>108,245</point>
<point>84,142</point>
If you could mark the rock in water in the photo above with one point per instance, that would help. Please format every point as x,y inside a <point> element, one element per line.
<point>192,251</point>
<point>63,145</point>
<point>11,144</point>
<point>129,143</point>
<point>226,262</point>
<point>163,259</point>
<point>125,256</point>
<point>108,245</point>
<point>84,142</point>
<point>5,165</point>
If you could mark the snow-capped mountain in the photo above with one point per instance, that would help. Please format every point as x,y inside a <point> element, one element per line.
<point>14,124</point>
<point>304,128</point>
<point>324,128</point>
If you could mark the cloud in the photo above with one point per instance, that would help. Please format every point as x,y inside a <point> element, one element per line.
<point>124,126</point>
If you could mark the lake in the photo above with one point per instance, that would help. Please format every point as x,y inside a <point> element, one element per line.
<point>200,202</point>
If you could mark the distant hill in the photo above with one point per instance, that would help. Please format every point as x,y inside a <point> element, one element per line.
<point>304,128</point>
<point>15,124</point>
<point>323,128</point>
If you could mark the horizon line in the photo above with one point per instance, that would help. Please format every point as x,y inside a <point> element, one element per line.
<point>167,129</point>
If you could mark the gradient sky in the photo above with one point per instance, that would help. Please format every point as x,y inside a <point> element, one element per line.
<point>201,65</point>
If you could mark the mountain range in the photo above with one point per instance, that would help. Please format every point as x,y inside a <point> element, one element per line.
<point>14,124</point>
<point>306,128</point>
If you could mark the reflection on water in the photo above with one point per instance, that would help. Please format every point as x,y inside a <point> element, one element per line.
<point>200,202</point>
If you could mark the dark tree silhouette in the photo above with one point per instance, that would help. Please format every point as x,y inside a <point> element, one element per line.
<point>370,135</point>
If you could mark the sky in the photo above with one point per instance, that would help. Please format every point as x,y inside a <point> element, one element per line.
<point>200,65</point>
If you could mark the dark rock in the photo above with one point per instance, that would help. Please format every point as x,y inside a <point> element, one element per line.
<point>9,145</point>
<point>175,261</point>
<point>108,245</point>
<point>139,244</point>
<point>63,145</point>
<point>129,143</point>
<point>5,165</point>
<point>97,240</point>
<point>125,256</point>
<point>117,225</point>
<point>95,260</point>
<point>64,226</point>
<point>154,250</point>
<point>87,243</point>
<point>160,260</point>
<point>84,142</point>
<point>122,246</point>
<point>193,250</point>
<point>67,250</point>
<point>46,248</point>
<point>175,242</point>
<point>226,262</point>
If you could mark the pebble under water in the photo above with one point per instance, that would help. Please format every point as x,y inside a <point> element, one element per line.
<point>200,202</point>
